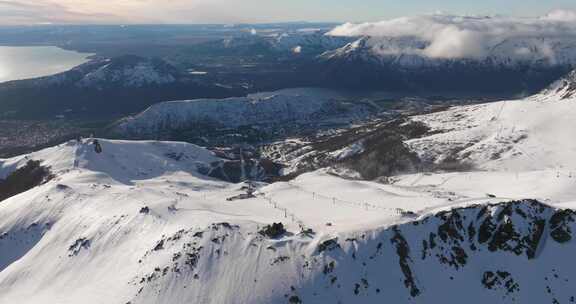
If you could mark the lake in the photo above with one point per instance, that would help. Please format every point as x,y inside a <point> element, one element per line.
<point>29,62</point>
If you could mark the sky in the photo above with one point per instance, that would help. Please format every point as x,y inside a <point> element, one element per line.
<point>255,11</point>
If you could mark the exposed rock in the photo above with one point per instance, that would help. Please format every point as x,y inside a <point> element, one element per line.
<point>79,244</point>
<point>500,280</point>
<point>328,245</point>
<point>274,231</point>
<point>560,225</point>
<point>403,251</point>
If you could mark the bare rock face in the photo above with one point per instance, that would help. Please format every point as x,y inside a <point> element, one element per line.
<point>458,237</point>
<point>450,246</point>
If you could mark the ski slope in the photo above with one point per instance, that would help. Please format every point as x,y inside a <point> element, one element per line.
<point>82,237</point>
<point>515,135</point>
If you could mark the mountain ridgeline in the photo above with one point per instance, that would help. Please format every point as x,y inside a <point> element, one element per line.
<point>128,84</point>
<point>369,63</point>
<point>391,64</point>
<point>103,88</point>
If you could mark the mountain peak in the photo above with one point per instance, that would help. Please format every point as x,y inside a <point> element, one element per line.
<point>130,71</point>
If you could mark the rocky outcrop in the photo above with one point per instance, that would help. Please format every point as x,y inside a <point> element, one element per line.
<point>441,256</point>
<point>373,150</point>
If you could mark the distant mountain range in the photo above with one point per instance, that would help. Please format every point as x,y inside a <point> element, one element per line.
<point>515,66</point>
<point>299,44</point>
<point>389,63</point>
<point>127,71</point>
<point>104,88</point>
<point>247,63</point>
<point>408,52</point>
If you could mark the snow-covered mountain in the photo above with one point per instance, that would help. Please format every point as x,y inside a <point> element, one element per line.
<point>148,222</point>
<point>284,108</point>
<point>518,65</point>
<point>310,43</point>
<point>408,52</point>
<point>117,73</point>
<point>438,39</point>
<point>511,135</point>
<point>104,88</point>
<point>306,43</point>
<point>514,134</point>
<point>138,223</point>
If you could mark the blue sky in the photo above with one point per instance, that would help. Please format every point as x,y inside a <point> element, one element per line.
<point>234,11</point>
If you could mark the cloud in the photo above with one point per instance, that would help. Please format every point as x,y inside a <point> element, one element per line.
<point>81,11</point>
<point>561,15</point>
<point>125,11</point>
<point>46,11</point>
<point>448,36</point>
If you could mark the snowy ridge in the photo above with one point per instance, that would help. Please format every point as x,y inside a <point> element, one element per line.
<point>141,74</point>
<point>191,245</point>
<point>120,72</point>
<point>313,43</point>
<point>138,223</point>
<point>154,158</point>
<point>317,42</point>
<point>299,106</point>
<point>408,52</point>
<point>442,39</point>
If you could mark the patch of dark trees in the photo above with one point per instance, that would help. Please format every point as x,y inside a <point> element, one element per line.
<point>25,178</point>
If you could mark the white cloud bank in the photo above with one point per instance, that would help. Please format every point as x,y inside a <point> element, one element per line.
<point>447,36</point>
<point>561,15</point>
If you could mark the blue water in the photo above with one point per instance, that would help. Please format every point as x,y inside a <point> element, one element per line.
<point>29,62</point>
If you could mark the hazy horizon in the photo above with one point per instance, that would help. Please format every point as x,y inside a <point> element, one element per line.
<point>31,12</point>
